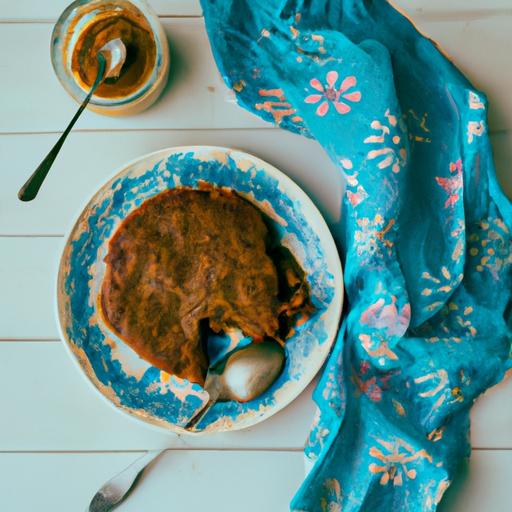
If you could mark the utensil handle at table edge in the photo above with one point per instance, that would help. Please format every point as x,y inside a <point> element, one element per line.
<point>136,468</point>
<point>31,187</point>
<point>142,462</point>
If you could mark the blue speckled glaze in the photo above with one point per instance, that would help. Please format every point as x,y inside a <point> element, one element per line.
<point>146,391</point>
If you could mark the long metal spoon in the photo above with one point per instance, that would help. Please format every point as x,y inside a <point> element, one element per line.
<point>242,376</point>
<point>111,58</point>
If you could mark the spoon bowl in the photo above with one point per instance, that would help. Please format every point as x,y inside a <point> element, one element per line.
<point>114,53</point>
<point>249,372</point>
<point>242,376</point>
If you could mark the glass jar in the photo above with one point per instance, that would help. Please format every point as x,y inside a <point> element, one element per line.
<point>83,17</point>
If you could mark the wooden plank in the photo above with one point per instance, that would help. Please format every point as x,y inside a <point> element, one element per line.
<point>479,47</point>
<point>50,406</point>
<point>227,481</point>
<point>460,9</point>
<point>196,96</point>
<point>28,275</point>
<point>185,480</point>
<point>51,9</point>
<point>74,179</point>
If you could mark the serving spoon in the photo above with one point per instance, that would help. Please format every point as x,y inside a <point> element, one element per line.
<point>242,376</point>
<point>111,58</point>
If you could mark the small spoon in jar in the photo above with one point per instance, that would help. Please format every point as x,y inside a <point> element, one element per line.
<point>111,58</point>
<point>243,376</point>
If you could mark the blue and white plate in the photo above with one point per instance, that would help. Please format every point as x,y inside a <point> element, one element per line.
<point>117,372</point>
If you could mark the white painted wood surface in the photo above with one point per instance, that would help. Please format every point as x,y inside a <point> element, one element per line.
<point>51,407</point>
<point>187,102</point>
<point>59,441</point>
<point>196,96</point>
<point>49,10</point>
<point>180,481</point>
<point>217,481</point>
<point>302,159</point>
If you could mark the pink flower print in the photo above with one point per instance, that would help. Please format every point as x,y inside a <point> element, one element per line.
<point>452,185</point>
<point>356,198</point>
<point>364,367</point>
<point>369,387</point>
<point>373,390</point>
<point>382,316</point>
<point>329,94</point>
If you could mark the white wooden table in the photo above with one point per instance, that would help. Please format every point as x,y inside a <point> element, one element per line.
<point>58,440</point>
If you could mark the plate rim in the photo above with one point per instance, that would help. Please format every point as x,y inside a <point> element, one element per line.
<point>338,298</point>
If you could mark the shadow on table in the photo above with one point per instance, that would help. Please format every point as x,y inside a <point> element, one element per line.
<point>452,495</point>
<point>502,151</point>
<point>178,68</point>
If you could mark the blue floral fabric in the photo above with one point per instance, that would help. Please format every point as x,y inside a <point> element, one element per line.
<point>425,236</point>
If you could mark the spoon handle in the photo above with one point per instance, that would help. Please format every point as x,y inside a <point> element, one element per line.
<point>31,187</point>
<point>200,414</point>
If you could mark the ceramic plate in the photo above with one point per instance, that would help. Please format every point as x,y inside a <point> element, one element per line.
<point>120,375</point>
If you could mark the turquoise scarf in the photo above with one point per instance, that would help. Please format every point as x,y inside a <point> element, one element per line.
<point>425,237</point>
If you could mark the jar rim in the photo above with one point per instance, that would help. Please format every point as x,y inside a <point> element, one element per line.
<point>62,46</point>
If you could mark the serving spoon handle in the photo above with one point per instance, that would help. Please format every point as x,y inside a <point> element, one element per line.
<point>200,415</point>
<point>213,387</point>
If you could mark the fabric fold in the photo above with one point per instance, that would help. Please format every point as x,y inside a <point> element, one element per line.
<point>425,237</point>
